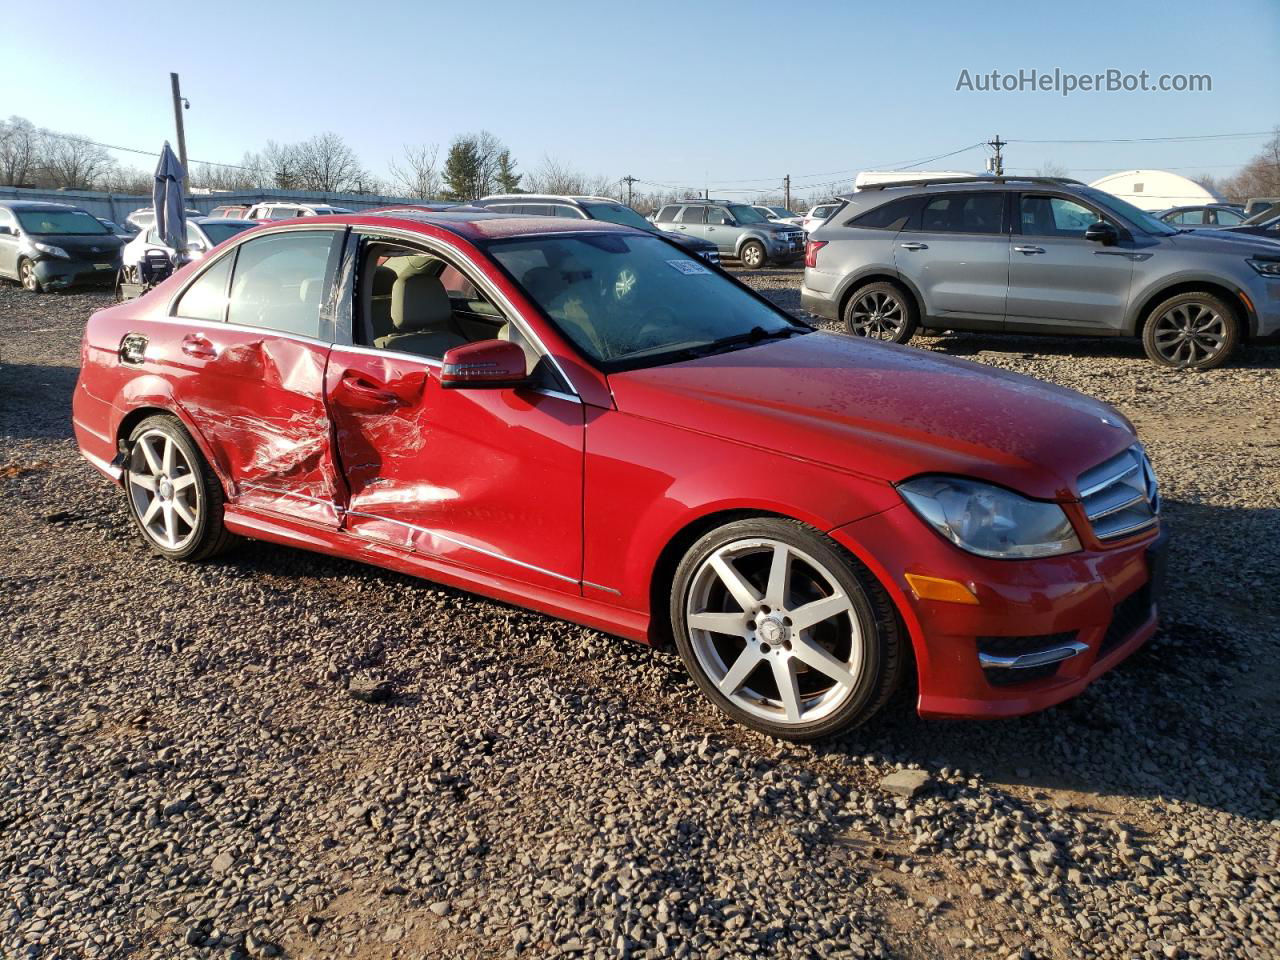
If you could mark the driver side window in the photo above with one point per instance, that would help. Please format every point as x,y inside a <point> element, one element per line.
<point>412,301</point>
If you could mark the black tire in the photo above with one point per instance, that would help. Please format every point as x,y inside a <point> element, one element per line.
<point>207,537</point>
<point>880,653</point>
<point>1191,331</point>
<point>27,277</point>
<point>881,311</point>
<point>753,255</point>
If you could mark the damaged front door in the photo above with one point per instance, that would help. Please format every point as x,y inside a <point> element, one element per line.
<point>257,393</point>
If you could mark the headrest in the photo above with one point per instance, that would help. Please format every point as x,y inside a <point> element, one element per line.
<point>419,301</point>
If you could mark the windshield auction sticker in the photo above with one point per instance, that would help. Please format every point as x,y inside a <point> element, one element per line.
<point>688,267</point>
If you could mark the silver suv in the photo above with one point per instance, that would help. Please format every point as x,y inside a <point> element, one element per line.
<point>1038,255</point>
<point>738,229</point>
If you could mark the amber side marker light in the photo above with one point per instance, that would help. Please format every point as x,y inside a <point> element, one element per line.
<point>936,588</point>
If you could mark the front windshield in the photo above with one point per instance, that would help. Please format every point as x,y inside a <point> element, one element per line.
<point>1121,208</point>
<point>60,223</point>
<point>744,214</point>
<point>217,232</point>
<point>630,301</point>
<point>618,213</point>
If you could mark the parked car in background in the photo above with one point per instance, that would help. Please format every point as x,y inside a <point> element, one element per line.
<point>818,214</point>
<point>144,218</point>
<point>562,414</point>
<point>288,211</point>
<point>1210,216</point>
<point>738,230</point>
<point>414,207</point>
<point>780,215</point>
<point>120,230</point>
<point>1257,205</point>
<point>1039,255</point>
<point>50,246</point>
<point>1265,223</point>
<point>230,211</point>
<point>203,234</point>
<point>589,208</point>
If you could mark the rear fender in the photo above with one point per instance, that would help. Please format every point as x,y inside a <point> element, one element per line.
<point>153,393</point>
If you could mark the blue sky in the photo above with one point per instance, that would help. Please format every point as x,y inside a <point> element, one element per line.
<point>726,94</point>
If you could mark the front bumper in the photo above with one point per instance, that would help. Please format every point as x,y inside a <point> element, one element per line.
<point>1102,601</point>
<point>55,273</point>
<point>1266,301</point>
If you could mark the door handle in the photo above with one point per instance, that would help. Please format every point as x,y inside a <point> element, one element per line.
<point>194,345</point>
<point>914,245</point>
<point>360,394</point>
<point>1029,250</point>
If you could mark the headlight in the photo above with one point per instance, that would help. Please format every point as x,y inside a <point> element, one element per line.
<point>51,250</point>
<point>990,521</point>
<point>1268,268</point>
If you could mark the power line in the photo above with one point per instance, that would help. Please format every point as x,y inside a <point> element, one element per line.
<point>1183,139</point>
<point>145,153</point>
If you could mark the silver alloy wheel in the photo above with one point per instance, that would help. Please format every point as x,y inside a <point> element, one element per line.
<point>1190,333</point>
<point>752,255</point>
<point>27,274</point>
<point>163,487</point>
<point>877,315</point>
<point>786,648</point>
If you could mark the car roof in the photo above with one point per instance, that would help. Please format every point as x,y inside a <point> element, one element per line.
<point>37,205</point>
<point>545,198</point>
<point>472,225</point>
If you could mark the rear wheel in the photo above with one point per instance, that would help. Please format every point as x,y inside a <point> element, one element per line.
<point>783,630</point>
<point>753,255</point>
<point>174,496</point>
<point>880,311</point>
<point>27,277</point>
<point>1191,331</point>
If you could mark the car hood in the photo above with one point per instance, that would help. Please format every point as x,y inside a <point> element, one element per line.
<point>1224,241</point>
<point>778,227</point>
<point>80,245</point>
<point>884,412</point>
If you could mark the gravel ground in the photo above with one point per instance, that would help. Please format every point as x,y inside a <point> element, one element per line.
<point>285,754</point>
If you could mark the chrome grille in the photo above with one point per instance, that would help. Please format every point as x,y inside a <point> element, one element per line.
<point>1121,496</point>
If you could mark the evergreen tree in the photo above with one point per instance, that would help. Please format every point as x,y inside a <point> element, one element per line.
<point>462,169</point>
<point>507,178</point>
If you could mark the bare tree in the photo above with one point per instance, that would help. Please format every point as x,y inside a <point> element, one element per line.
<point>326,163</point>
<point>1051,169</point>
<point>74,163</point>
<point>558,177</point>
<point>1260,176</point>
<point>279,166</point>
<point>20,144</point>
<point>418,174</point>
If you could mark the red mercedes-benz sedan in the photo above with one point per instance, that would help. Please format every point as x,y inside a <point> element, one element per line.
<point>580,418</point>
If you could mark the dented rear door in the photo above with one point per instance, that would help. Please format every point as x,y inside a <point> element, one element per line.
<point>257,390</point>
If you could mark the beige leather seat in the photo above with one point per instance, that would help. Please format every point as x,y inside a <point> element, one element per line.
<point>420,317</point>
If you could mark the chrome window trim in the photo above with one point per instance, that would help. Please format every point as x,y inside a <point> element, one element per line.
<point>496,296</point>
<point>213,326</point>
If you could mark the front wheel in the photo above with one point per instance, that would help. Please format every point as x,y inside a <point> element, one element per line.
<point>1191,331</point>
<point>783,630</point>
<point>27,277</point>
<point>174,496</point>
<point>753,255</point>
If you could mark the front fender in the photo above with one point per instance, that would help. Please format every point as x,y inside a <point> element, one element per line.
<point>1152,292</point>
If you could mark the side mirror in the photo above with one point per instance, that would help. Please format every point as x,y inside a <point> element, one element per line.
<point>6,230</point>
<point>1103,233</point>
<point>484,364</point>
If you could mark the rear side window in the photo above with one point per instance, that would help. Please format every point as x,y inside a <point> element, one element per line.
<point>667,214</point>
<point>717,215</point>
<point>1228,218</point>
<point>694,215</point>
<point>206,299</point>
<point>963,213</point>
<point>897,214</point>
<point>279,282</point>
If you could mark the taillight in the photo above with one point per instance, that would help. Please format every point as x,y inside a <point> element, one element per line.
<point>811,248</point>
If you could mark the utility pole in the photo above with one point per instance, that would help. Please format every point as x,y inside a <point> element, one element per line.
<point>628,180</point>
<point>995,145</point>
<point>177,119</point>
<point>786,191</point>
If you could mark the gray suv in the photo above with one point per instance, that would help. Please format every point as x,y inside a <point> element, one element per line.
<point>738,229</point>
<point>1038,255</point>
